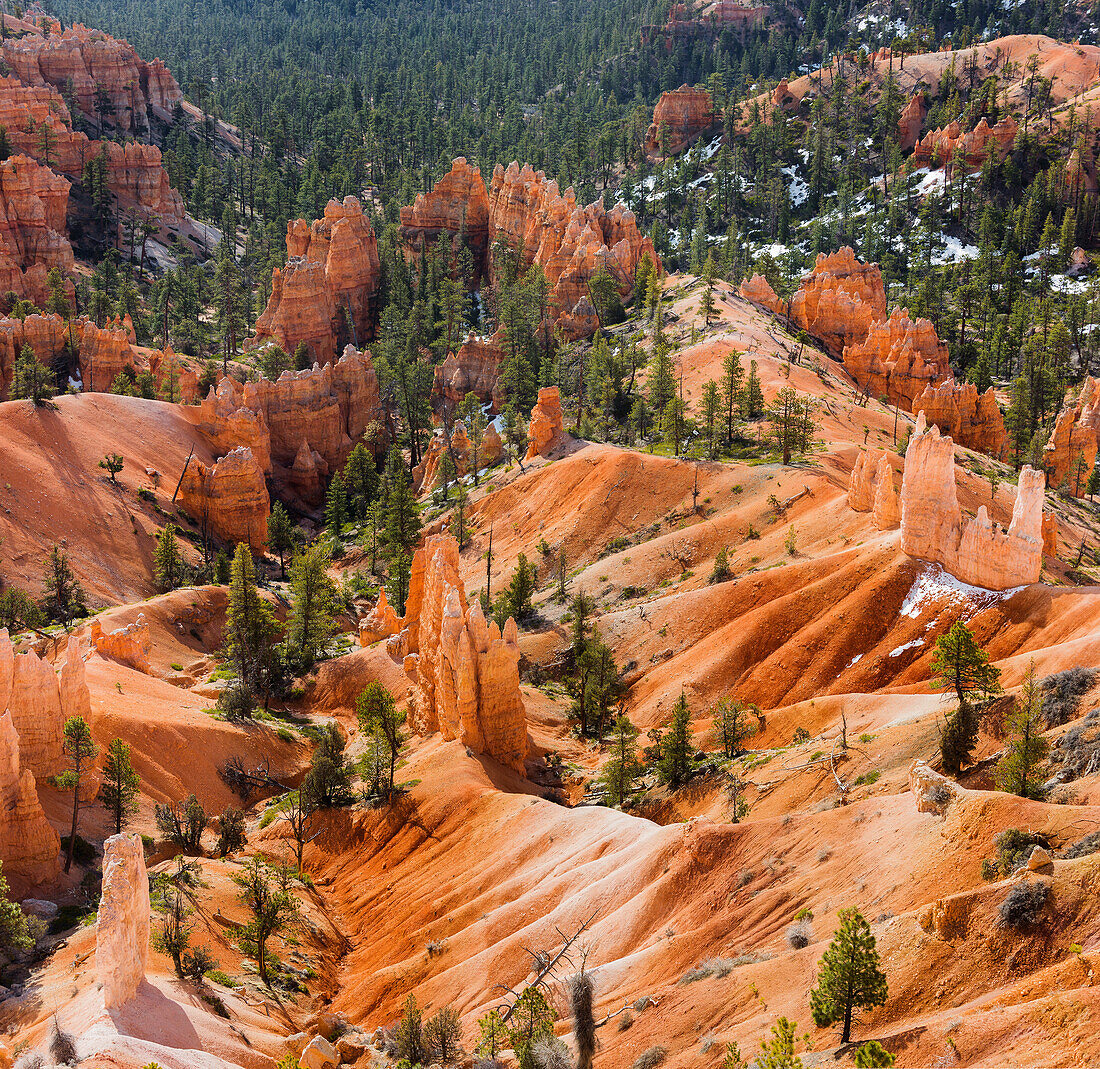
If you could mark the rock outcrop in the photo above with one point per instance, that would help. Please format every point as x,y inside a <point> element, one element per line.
<point>547,429</point>
<point>839,300</point>
<point>457,206</point>
<point>475,368</point>
<point>465,671</point>
<point>912,121</point>
<point>932,792</point>
<point>325,296</point>
<point>941,148</point>
<point>29,846</point>
<point>977,550</point>
<point>871,489</point>
<point>1071,452</point>
<point>85,63</point>
<point>381,622</point>
<point>122,924</point>
<point>229,498</point>
<point>31,691</point>
<point>33,201</point>
<point>130,644</point>
<point>898,359</point>
<point>490,450</point>
<point>679,117</point>
<point>329,408</point>
<point>971,419</point>
<point>759,291</point>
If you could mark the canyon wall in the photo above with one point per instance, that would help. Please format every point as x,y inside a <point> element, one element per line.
<point>328,408</point>
<point>324,298</point>
<point>971,419</point>
<point>1069,455</point>
<point>228,498</point>
<point>680,116</point>
<point>465,672</point>
<point>977,551</point>
<point>475,369</point>
<point>123,920</point>
<point>457,206</point>
<point>29,846</point>
<point>84,63</point>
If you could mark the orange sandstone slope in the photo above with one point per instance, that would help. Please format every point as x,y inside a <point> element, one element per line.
<point>53,491</point>
<point>826,624</point>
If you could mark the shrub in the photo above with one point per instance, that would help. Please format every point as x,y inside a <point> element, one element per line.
<point>550,1052</point>
<point>1088,845</point>
<point>800,935</point>
<point>1023,904</point>
<point>1062,693</point>
<point>722,570</point>
<point>235,702</point>
<point>720,967</point>
<point>651,1058</point>
<point>1013,847</point>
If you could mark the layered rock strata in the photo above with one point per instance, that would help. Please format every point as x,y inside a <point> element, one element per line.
<point>899,358</point>
<point>457,207</point>
<point>971,419</point>
<point>1070,454</point>
<point>977,551</point>
<point>474,368</point>
<point>679,117</point>
<point>329,408</point>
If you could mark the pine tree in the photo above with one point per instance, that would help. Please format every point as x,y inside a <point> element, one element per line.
<point>64,597</point>
<point>360,481</point>
<point>1018,770</point>
<point>662,378</point>
<point>280,535</point>
<point>378,713</point>
<point>311,622</point>
<point>120,784</point>
<point>779,1053</point>
<point>849,976</point>
<point>272,910</point>
<point>677,749</point>
<point>78,747</point>
<point>623,767</point>
<point>168,566</point>
<point>402,513</point>
<point>14,934</point>
<point>31,379</point>
<point>250,628</point>
<point>707,307</point>
<point>731,725</point>
<point>336,507</point>
<point>961,665</point>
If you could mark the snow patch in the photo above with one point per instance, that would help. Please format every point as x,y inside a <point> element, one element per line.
<point>908,646</point>
<point>934,585</point>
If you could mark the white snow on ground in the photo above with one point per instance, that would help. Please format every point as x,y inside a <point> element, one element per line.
<point>954,252</point>
<point>853,660</point>
<point>796,187</point>
<point>1067,285</point>
<point>908,646</point>
<point>934,586</point>
<point>712,149</point>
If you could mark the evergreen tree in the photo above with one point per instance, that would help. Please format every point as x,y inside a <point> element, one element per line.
<point>961,665</point>
<point>378,713</point>
<point>402,512</point>
<point>311,622</point>
<point>272,910</point>
<point>14,933</point>
<point>1018,770</point>
<point>707,307</point>
<point>280,535</point>
<point>31,379</point>
<point>169,569</point>
<point>120,784</point>
<point>336,507</point>
<point>677,749</point>
<point>849,977</point>
<point>731,725</point>
<point>623,767</point>
<point>250,628</point>
<point>64,599</point>
<point>80,750</point>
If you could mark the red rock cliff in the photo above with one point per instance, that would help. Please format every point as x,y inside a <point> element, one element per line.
<point>898,359</point>
<point>332,270</point>
<point>681,115</point>
<point>458,206</point>
<point>229,497</point>
<point>1071,452</point>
